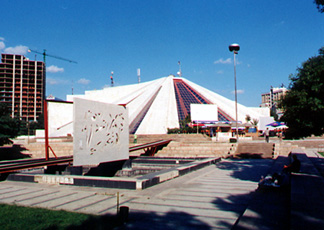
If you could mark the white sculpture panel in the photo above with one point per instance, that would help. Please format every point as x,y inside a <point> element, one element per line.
<point>100,132</point>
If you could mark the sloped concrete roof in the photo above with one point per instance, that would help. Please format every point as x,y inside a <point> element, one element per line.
<point>153,107</point>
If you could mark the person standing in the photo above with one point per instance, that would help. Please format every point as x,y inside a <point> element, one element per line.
<point>266,134</point>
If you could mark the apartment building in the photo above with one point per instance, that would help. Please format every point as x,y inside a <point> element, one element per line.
<point>272,99</point>
<point>22,86</point>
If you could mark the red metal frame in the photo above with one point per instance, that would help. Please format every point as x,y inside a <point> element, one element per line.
<point>16,165</point>
<point>150,148</point>
<point>185,112</point>
<point>47,146</point>
<point>13,166</point>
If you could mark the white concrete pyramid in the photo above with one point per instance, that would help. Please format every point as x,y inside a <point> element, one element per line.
<point>153,107</point>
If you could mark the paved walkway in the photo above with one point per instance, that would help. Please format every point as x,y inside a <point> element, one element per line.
<point>211,198</point>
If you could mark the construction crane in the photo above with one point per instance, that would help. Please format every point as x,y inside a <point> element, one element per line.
<point>49,55</point>
<point>44,58</point>
<point>47,146</point>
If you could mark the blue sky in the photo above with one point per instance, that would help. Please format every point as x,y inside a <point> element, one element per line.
<point>121,36</point>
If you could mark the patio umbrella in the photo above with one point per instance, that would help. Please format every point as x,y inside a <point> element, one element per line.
<point>276,124</point>
<point>247,125</point>
<point>220,125</point>
<point>239,124</point>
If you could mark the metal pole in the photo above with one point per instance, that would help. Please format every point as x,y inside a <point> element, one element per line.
<point>117,203</point>
<point>112,79</point>
<point>235,96</point>
<point>197,127</point>
<point>46,130</point>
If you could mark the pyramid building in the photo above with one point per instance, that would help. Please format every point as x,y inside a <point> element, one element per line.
<point>160,104</point>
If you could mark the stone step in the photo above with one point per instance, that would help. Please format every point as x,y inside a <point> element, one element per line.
<point>37,150</point>
<point>175,137</point>
<point>191,155</point>
<point>264,150</point>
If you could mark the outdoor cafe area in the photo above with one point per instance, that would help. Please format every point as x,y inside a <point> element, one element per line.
<point>225,131</point>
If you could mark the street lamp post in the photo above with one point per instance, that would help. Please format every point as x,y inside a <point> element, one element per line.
<point>235,48</point>
<point>112,79</point>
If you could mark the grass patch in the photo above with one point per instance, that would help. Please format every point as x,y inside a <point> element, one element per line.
<point>322,153</point>
<point>18,217</point>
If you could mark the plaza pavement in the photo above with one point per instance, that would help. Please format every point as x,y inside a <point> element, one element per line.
<point>214,197</point>
<point>219,196</point>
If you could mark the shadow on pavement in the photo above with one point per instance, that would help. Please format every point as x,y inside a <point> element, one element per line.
<point>170,220</point>
<point>143,220</point>
<point>248,169</point>
<point>259,209</point>
<point>13,152</point>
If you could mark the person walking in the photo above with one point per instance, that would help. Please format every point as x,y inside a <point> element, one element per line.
<point>266,134</point>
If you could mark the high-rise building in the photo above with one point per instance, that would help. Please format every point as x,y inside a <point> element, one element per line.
<point>22,86</point>
<point>272,99</point>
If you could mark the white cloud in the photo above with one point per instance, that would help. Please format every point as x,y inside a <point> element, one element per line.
<point>56,81</point>
<point>239,91</point>
<point>84,81</point>
<point>2,39</point>
<point>22,50</point>
<point>54,69</point>
<point>222,61</point>
<point>52,81</point>
<point>2,45</point>
<point>220,72</point>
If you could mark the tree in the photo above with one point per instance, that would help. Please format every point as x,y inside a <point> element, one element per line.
<point>304,103</point>
<point>9,127</point>
<point>273,112</point>
<point>255,122</point>
<point>247,118</point>
<point>320,5</point>
<point>184,128</point>
<point>184,123</point>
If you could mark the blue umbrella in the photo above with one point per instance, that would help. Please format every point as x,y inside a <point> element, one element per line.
<point>276,124</point>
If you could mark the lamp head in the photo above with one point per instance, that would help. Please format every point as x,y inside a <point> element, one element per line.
<point>234,47</point>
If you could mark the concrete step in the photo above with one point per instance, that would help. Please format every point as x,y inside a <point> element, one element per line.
<point>37,150</point>
<point>175,137</point>
<point>180,149</point>
<point>259,150</point>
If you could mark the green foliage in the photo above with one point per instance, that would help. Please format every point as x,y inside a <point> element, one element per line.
<point>304,103</point>
<point>273,113</point>
<point>12,127</point>
<point>173,131</point>
<point>16,217</point>
<point>39,124</point>
<point>255,122</point>
<point>184,128</point>
<point>9,127</point>
<point>247,118</point>
<point>185,122</point>
<point>319,5</point>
